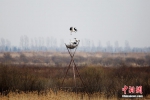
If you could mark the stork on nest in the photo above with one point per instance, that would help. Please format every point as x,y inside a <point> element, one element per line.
<point>74,42</point>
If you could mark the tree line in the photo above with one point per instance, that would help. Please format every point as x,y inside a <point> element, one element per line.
<point>52,44</point>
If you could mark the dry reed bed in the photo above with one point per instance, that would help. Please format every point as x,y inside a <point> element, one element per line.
<point>105,80</point>
<point>50,95</point>
<point>61,95</point>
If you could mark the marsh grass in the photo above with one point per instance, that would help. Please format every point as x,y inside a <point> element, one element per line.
<point>101,82</point>
<point>61,95</point>
<point>50,95</point>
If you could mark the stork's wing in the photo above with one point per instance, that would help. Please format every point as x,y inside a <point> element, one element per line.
<point>75,29</point>
<point>70,28</point>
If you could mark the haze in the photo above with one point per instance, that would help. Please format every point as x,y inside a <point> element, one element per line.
<point>104,20</point>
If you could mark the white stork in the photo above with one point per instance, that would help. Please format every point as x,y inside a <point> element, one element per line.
<point>74,42</point>
<point>73,29</point>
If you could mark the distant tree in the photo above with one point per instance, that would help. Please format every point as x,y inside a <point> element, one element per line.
<point>8,45</point>
<point>127,47</point>
<point>116,46</point>
<point>109,47</point>
<point>24,42</point>
<point>93,46</point>
<point>21,43</point>
<point>99,47</point>
<point>62,45</point>
<point>14,48</point>
<point>48,43</point>
<point>36,43</point>
<point>2,42</point>
<point>32,44</point>
<point>42,43</point>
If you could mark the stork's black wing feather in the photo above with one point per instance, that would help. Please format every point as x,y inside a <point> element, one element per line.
<point>75,29</point>
<point>74,43</point>
<point>70,28</point>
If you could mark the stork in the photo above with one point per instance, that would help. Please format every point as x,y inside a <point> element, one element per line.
<point>74,42</point>
<point>73,29</point>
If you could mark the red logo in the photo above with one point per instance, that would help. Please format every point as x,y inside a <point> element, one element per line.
<point>132,89</point>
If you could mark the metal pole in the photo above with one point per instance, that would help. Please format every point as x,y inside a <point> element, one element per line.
<point>74,68</point>
<point>68,65</point>
<point>74,76</point>
<point>67,70</point>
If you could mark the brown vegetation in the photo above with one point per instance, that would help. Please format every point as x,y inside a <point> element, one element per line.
<point>105,74</point>
<point>103,80</point>
<point>50,95</point>
<point>81,58</point>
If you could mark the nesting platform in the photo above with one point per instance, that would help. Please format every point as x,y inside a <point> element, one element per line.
<point>71,46</point>
<point>75,69</point>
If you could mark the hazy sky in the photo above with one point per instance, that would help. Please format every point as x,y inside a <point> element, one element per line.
<point>104,20</point>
